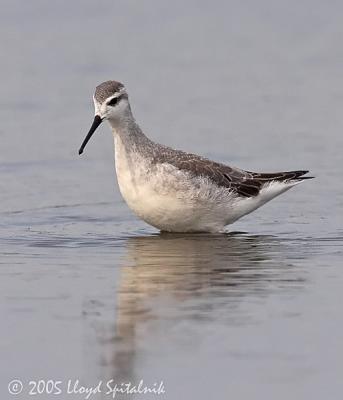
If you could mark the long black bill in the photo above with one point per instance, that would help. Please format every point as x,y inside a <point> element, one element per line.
<point>97,121</point>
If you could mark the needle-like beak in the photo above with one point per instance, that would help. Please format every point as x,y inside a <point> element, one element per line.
<point>97,121</point>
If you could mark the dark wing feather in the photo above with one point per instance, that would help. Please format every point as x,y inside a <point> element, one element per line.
<point>281,176</point>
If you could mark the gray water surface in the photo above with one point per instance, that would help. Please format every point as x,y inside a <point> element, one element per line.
<point>88,291</point>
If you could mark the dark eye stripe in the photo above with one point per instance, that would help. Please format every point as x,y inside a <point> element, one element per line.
<point>114,101</point>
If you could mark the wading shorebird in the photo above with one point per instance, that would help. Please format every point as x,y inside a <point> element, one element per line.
<point>176,191</point>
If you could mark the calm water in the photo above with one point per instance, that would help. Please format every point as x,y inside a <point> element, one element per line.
<point>88,291</point>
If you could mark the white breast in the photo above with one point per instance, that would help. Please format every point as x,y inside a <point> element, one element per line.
<point>138,187</point>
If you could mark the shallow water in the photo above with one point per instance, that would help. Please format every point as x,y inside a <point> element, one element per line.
<point>88,291</point>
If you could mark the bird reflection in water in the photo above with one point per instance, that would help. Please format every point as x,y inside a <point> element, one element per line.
<point>172,287</point>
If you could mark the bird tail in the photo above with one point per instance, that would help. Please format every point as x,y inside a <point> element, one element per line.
<point>288,176</point>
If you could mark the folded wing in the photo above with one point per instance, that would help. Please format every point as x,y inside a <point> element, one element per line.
<point>243,183</point>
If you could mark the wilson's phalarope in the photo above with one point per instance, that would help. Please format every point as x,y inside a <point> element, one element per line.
<point>176,191</point>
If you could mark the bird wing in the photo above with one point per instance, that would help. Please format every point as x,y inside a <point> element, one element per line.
<point>243,183</point>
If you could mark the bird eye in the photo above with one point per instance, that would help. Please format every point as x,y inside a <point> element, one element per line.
<point>113,101</point>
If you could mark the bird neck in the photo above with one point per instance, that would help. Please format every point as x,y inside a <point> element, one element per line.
<point>128,131</point>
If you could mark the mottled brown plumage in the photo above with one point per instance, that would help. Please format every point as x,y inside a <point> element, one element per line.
<point>243,183</point>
